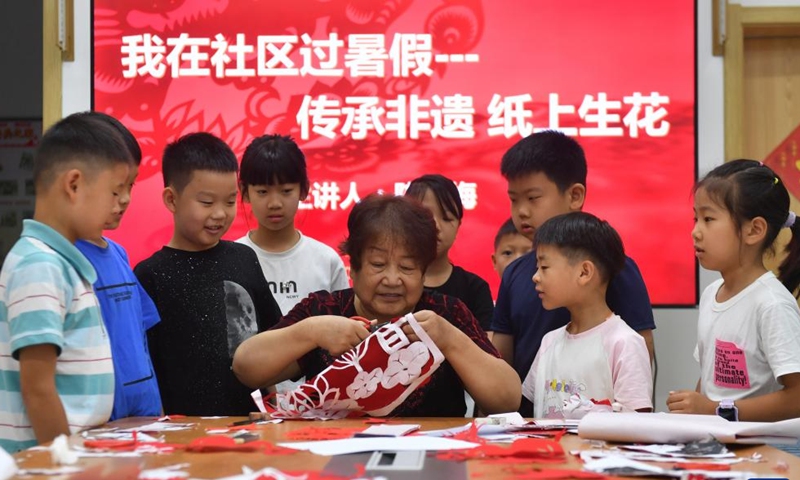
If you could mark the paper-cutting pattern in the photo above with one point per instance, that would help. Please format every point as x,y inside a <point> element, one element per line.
<point>373,378</point>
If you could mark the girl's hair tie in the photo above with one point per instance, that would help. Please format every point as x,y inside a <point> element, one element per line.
<point>789,223</point>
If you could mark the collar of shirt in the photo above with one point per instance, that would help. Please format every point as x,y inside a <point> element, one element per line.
<point>56,241</point>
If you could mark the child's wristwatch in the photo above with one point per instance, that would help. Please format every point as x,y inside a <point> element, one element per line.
<point>727,410</point>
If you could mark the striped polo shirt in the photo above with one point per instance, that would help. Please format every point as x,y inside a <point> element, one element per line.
<point>46,296</point>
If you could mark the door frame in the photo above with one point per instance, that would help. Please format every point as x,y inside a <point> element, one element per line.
<point>742,23</point>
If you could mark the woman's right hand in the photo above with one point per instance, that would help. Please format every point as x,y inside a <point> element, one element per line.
<point>338,334</point>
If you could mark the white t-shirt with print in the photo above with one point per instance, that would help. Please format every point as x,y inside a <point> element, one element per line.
<point>746,342</point>
<point>609,361</point>
<point>309,266</point>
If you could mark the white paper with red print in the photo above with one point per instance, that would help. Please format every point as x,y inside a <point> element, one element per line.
<point>373,378</point>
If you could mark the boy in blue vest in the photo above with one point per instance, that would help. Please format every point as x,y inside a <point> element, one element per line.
<point>128,312</point>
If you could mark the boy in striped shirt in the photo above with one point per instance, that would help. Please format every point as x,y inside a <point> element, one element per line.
<point>56,373</point>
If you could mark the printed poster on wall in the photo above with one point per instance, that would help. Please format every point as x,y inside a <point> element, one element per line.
<point>377,93</point>
<point>18,140</point>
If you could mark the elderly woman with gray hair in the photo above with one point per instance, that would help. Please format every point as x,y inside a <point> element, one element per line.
<point>391,241</point>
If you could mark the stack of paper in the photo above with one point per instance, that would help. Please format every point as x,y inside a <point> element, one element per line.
<point>675,428</point>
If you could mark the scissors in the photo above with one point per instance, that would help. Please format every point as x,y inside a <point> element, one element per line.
<point>368,324</point>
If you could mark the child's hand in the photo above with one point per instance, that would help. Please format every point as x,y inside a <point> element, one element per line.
<point>339,334</point>
<point>689,401</point>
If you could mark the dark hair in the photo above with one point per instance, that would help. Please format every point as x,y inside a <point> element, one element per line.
<point>127,136</point>
<point>192,152</point>
<point>400,219</point>
<point>748,189</point>
<point>274,159</point>
<point>550,152</point>
<point>78,138</point>
<point>579,235</point>
<point>443,189</point>
<point>507,228</point>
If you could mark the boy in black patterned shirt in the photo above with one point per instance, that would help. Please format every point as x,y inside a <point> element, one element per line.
<point>210,293</point>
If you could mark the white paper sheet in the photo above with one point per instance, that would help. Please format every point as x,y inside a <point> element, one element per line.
<point>389,444</point>
<point>159,427</point>
<point>8,466</point>
<point>678,428</point>
<point>388,430</point>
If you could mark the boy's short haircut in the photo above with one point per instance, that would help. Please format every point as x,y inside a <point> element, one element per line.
<point>578,235</point>
<point>273,160</point>
<point>78,138</point>
<point>127,136</point>
<point>507,228</point>
<point>192,152</point>
<point>553,153</point>
<point>443,189</point>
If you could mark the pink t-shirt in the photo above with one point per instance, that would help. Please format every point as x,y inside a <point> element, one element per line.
<point>609,361</point>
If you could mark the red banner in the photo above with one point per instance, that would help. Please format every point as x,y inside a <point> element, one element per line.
<point>785,161</point>
<point>379,92</point>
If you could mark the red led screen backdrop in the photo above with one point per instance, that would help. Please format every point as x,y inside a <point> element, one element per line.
<point>377,93</point>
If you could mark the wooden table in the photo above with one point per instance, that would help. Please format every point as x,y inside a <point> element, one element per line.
<point>214,465</point>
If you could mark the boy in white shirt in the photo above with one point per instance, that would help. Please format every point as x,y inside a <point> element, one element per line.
<point>596,355</point>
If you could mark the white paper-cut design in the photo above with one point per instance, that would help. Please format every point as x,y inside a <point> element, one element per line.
<point>405,365</point>
<point>365,384</point>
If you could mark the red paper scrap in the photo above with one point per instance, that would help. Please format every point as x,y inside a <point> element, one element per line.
<point>541,450</point>
<point>555,474</point>
<point>322,433</point>
<point>221,443</point>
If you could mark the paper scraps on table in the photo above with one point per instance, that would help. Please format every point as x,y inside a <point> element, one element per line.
<point>321,433</point>
<point>110,434</point>
<point>169,418</point>
<point>684,428</point>
<point>507,419</point>
<point>538,450</point>
<point>118,447</point>
<point>123,443</point>
<point>8,466</point>
<point>247,427</point>
<point>389,430</point>
<point>701,449</point>
<point>221,443</point>
<point>621,466</point>
<point>595,454</point>
<point>61,453</point>
<point>493,430</point>
<point>165,473</point>
<point>50,472</point>
<point>395,444</point>
<point>159,427</point>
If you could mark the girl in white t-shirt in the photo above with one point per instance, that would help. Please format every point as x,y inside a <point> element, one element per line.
<point>273,179</point>
<point>748,338</point>
<point>596,356</point>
